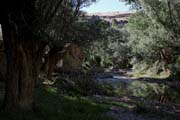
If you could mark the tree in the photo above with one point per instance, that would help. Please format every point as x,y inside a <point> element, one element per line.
<point>24,22</point>
<point>19,41</point>
<point>65,28</point>
<point>154,31</point>
<point>107,44</point>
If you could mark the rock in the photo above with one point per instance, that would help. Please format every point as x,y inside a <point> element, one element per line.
<point>115,108</point>
<point>72,58</point>
<point>104,76</point>
<point>67,59</point>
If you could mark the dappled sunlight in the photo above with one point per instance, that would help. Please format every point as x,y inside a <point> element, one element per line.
<point>90,60</point>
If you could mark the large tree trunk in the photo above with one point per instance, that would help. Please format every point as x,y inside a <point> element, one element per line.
<point>21,68</point>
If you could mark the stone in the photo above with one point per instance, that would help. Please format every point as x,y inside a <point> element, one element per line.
<point>72,58</point>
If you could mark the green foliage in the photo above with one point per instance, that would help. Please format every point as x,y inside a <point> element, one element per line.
<point>155,91</point>
<point>154,33</point>
<point>147,39</point>
<point>57,19</point>
<point>176,69</point>
<point>147,90</point>
<point>84,31</point>
<point>111,47</point>
<point>145,69</point>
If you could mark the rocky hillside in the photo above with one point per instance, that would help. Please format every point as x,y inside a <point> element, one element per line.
<point>110,16</point>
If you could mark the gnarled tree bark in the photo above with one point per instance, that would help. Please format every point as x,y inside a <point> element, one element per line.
<point>21,66</point>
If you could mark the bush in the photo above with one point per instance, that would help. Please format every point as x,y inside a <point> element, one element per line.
<point>149,69</point>
<point>176,69</point>
<point>147,90</point>
<point>83,84</point>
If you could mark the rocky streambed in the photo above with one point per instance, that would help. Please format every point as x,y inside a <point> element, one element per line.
<point>147,88</point>
<point>156,95</point>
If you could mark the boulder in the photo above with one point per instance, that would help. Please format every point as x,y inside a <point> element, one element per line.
<point>72,58</point>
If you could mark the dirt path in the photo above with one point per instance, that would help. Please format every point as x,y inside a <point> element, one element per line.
<point>124,114</point>
<point>136,108</point>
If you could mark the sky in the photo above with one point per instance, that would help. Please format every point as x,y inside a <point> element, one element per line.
<point>107,6</point>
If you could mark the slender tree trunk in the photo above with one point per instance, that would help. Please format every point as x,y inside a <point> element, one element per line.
<point>21,74</point>
<point>51,64</point>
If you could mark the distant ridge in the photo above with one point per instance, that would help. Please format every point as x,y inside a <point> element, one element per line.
<point>109,16</point>
<point>109,13</point>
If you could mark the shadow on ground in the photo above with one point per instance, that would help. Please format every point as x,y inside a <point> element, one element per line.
<point>52,105</point>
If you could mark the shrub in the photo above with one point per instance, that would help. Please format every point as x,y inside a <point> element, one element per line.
<point>176,69</point>
<point>84,84</point>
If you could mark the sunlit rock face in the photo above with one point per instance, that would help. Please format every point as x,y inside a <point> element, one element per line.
<point>68,59</point>
<point>72,58</point>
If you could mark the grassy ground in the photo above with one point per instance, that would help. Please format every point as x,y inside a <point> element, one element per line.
<point>50,105</point>
<point>59,101</point>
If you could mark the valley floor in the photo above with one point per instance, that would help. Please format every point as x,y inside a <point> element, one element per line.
<point>51,104</point>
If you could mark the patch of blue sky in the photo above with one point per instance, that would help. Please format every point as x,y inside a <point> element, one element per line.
<point>107,6</point>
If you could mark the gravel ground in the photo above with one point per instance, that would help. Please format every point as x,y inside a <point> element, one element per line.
<point>123,114</point>
<point>118,113</point>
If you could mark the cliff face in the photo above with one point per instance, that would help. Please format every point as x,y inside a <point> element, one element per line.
<point>121,18</point>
